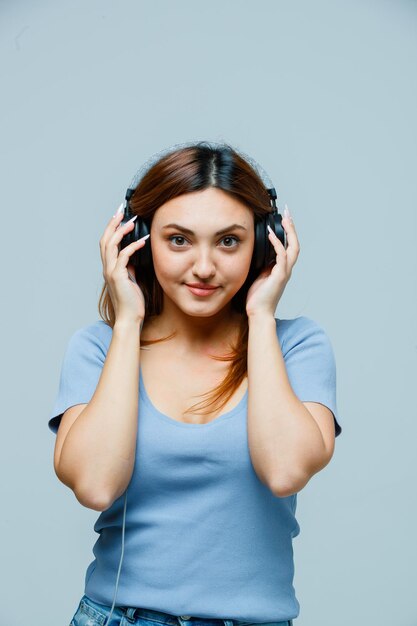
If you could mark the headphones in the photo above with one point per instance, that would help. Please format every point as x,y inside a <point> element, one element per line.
<point>264,254</point>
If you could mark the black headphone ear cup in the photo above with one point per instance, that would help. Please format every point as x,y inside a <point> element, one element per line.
<point>274,220</point>
<point>278,229</point>
<point>264,253</point>
<point>141,259</point>
<point>258,257</point>
<point>128,238</point>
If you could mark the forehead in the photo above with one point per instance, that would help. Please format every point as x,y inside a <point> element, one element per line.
<point>209,205</point>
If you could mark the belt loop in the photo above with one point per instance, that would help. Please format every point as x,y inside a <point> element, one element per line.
<point>130,614</point>
<point>228,622</point>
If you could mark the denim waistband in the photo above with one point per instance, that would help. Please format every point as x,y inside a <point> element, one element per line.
<point>131,614</point>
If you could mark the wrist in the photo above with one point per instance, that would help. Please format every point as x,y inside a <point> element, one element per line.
<point>261,315</point>
<point>128,325</point>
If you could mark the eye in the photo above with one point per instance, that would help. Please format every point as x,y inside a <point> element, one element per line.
<point>226,237</point>
<point>232,237</point>
<point>176,237</point>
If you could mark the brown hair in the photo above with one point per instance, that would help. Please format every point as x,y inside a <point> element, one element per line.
<point>189,169</point>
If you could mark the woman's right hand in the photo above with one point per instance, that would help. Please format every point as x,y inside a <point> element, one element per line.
<point>126,295</point>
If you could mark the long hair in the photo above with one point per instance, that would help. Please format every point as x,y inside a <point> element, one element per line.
<point>189,169</point>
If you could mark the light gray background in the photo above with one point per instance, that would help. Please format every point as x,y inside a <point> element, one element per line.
<point>322,94</point>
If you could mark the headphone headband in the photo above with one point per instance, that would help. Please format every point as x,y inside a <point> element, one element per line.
<point>210,144</point>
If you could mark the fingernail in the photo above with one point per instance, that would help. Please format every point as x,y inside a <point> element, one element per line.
<point>131,220</point>
<point>119,210</point>
<point>287,214</point>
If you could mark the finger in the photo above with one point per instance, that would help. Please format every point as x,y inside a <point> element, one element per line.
<point>110,247</point>
<point>112,224</point>
<point>281,254</point>
<point>116,237</point>
<point>293,245</point>
<point>108,232</point>
<point>276,242</point>
<point>116,218</point>
<point>131,273</point>
<point>290,230</point>
<point>120,209</point>
<point>123,258</point>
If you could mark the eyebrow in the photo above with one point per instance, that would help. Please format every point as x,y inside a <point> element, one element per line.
<point>219,232</point>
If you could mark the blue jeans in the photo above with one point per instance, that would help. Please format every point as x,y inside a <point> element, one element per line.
<point>90,613</point>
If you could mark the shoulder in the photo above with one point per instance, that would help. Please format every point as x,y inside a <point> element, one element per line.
<point>298,329</point>
<point>96,334</point>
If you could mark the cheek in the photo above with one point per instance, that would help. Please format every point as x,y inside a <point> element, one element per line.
<point>233,267</point>
<point>167,265</point>
<point>241,263</point>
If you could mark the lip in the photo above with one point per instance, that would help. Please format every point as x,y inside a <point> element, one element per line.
<point>198,291</point>
<point>201,286</point>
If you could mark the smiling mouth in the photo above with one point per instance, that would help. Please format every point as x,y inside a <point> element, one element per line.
<point>199,291</point>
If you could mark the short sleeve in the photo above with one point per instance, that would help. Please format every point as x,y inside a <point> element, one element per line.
<point>311,365</point>
<point>80,372</point>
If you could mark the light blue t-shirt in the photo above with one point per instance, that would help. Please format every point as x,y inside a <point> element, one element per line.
<point>203,536</point>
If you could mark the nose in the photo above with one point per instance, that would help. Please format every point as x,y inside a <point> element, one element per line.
<point>203,265</point>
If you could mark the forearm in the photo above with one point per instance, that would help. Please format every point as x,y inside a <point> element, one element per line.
<point>284,439</point>
<point>98,453</point>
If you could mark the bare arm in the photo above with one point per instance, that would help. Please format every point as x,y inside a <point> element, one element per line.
<point>98,454</point>
<point>286,443</point>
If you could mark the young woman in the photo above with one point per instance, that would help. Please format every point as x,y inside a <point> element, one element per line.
<point>187,311</point>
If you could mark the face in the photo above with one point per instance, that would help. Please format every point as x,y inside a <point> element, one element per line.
<point>203,255</point>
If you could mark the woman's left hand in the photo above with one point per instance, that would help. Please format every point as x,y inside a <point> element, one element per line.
<point>265,292</point>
